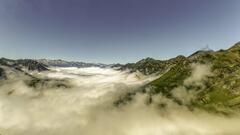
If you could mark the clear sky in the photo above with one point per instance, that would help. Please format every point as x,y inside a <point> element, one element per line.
<point>112,31</point>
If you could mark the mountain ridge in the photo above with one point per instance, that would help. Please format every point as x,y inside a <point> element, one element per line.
<point>63,63</point>
<point>219,92</point>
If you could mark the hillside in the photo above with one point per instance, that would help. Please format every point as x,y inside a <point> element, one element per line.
<point>151,66</point>
<point>213,77</point>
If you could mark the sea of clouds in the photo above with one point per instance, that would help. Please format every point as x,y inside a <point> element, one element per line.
<point>87,107</point>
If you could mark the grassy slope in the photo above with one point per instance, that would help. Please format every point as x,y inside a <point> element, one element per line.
<point>222,90</point>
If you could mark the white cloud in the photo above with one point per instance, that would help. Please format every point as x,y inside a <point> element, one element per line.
<point>87,109</point>
<point>199,73</point>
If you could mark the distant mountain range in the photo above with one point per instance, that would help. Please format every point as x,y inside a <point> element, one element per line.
<point>63,63</point>
<point>23,68</point>
<point>24,65</point>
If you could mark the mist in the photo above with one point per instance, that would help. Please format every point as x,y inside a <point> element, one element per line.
<point>87,107</point>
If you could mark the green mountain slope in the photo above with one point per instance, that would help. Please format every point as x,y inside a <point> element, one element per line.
<point>218,91</point>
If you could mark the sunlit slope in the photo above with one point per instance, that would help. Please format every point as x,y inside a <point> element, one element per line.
<point>218,90</point>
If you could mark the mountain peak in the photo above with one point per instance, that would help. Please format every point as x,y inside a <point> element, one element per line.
<point>146,60</point>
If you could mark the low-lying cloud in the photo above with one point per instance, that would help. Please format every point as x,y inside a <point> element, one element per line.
<point>87,108</point>
<point>200,72</point>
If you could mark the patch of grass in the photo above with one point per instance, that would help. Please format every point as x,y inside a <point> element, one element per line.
<point>170,80</point>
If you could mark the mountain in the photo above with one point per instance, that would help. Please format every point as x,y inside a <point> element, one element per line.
<point>22,69</point>
<point>12,70</point>
<point>213,77</point>
<point>207,79</point>
<point>63,63</point>
<point>151,66</point>
<point>23,64</point>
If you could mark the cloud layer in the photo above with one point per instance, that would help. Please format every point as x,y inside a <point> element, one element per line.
<point>87,108</point>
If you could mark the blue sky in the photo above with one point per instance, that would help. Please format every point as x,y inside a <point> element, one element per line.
<point>112,31</point>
